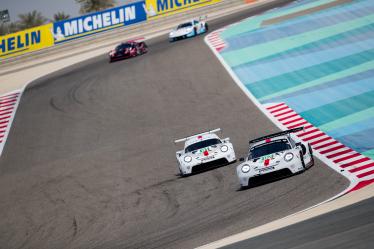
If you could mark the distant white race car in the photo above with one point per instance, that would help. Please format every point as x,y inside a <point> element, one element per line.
<point>203,151</point>
<point>188,29</point>
<point>274,156</point>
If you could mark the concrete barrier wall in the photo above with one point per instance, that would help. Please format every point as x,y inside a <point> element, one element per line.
<point>144,14</point>
<point>26,41</point>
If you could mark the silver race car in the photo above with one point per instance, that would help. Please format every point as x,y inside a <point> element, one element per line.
<point>274,156</point>
<point>188,29</point>
<point>203,151</point>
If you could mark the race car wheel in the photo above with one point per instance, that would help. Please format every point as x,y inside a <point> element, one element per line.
<point>182,174</point>
<point>194,31</point>
<point>310,150</point>
<point>138,52</point>
<point>302,160</point>
<point>311,155</point>
<point>206,27</point>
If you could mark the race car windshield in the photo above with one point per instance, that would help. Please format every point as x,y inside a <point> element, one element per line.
<point>184,25</point>
<point>269,148</point>
<point>202,144</point>
<point>122,46</point>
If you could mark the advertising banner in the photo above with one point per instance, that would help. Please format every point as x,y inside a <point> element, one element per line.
<point>26,41</point>
<point>159,8</point>
<point>99,21</point>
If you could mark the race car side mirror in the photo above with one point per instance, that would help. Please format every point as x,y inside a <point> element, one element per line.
<point>241,159</point>
<point>226,140</point>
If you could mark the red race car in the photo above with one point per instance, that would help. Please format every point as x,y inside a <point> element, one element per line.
<point>127,50</point>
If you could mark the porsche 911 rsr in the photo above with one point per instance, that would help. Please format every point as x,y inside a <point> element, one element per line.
<point>127,50</point>
<point>188,29</point>
<point>274,156</point>
<point>204,151</point>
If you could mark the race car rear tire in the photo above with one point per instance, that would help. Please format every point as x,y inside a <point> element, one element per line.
<point>206,27</point>
<point>194,32</point>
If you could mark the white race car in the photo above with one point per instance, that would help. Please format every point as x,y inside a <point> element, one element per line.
<point>274,156</point>
<point>188,29</point>
<point>203,151</point>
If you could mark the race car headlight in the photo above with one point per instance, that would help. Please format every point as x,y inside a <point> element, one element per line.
<point>288,157</point>
<point>245,168</point>
<point>224,148</point>
<point>187,159</point>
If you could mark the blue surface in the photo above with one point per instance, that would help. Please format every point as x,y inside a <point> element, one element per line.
<point>326,80</point>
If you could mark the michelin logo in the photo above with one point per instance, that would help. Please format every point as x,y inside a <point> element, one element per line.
<point>58,36</point>
<point>151,11</point>
<point>21,40</point>
<point>98,21</point>
<point>161,7</point>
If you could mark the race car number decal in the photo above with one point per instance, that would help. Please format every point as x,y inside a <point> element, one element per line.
<point>205,151</point>
<point>270,157</point>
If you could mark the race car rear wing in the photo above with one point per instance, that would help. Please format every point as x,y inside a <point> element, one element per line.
<point>199,134</point>
<point>203,18</point>
<point>282,133</point>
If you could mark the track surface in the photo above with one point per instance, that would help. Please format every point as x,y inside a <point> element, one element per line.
<point>90,162</point>
<point>349,227</point>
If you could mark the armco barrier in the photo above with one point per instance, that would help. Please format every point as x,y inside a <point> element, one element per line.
<point>124,31</point>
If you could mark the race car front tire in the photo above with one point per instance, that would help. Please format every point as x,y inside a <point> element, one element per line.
<point>302,160</point>
<point>182,174</point>
<point>311,155</point>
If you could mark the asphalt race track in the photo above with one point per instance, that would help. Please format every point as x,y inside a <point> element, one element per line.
<point>90,160</point>
<point>349,227</point>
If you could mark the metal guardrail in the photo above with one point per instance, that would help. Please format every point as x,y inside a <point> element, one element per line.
<point>115,33</point>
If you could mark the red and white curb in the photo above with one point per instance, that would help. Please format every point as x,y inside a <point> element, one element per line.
<point>342,158</point>
<point>8,106</point>
<point>357,168</point>
<point>216,41</point>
